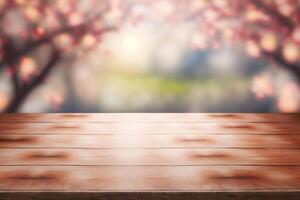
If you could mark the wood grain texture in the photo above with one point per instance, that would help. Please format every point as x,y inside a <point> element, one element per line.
<point>194,153</point>
<point>149,141</point>
<point>147,178</point>
<point>150,117</point>
<point>150,157</point>
<point>191,195</point>
<point>128,128</point>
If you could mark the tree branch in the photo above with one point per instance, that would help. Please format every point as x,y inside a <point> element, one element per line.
<point>294,68</point>
<point>19,97</point>
<point>15,78</point>
<point>12,57</point>
<point>285,21</point>
<point>55,57</point>
<point>33,44</point>
<point>9,57</point>
<point>277,57</point>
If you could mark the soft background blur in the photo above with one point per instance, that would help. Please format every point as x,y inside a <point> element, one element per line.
<point>150,56</point>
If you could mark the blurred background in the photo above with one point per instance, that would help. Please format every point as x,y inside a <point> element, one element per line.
<point>149,56</point>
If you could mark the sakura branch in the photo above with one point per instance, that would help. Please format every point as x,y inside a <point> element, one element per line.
<point>65,26</point>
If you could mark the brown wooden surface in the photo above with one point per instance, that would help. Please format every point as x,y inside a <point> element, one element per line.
<point>149,152</point>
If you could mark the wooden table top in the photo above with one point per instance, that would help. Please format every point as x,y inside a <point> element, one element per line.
<point>149,153</point>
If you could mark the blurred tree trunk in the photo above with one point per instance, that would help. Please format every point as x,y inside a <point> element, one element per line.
<point>22,92</point>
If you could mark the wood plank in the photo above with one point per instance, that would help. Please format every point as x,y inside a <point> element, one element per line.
<point>150,117</point>
<point>183,157</point>
<point>148,178</point>
<point>157,195</point>
<point>98,153</point>
<point>149,141</point>
<point>151,128</point>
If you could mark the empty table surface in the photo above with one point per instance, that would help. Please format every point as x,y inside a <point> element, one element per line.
<point>175,156</point>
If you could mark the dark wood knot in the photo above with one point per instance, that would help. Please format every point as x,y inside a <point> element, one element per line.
<point>235,177</point>
<point>195,140</point>
<point>23,139</point>
<point>236,116</point>
<point>241,126</point>
<point>197,156</point>
<point>40,155</point>
<point>57,126</point>
<point>74,115</point>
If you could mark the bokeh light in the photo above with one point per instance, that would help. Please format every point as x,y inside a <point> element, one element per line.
<point>150,56</point>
